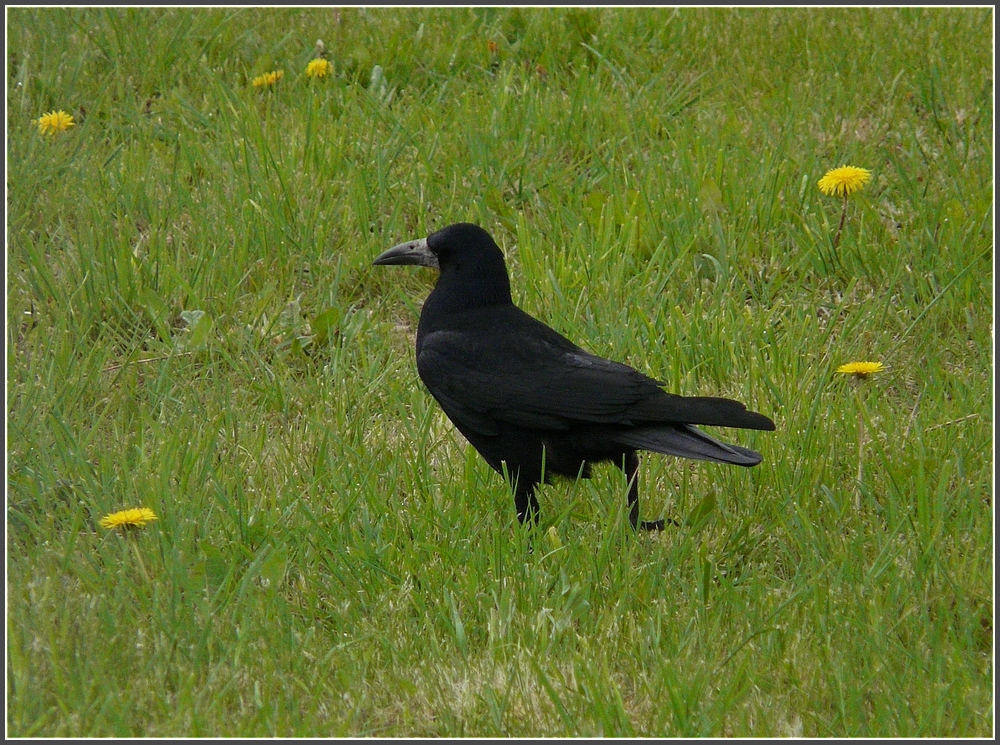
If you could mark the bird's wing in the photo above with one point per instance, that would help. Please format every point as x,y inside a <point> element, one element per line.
<point>528,376</point>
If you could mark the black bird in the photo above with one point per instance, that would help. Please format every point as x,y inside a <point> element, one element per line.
<point>532,402</point>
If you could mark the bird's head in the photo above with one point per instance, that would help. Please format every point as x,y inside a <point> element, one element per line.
<point>471,264</point>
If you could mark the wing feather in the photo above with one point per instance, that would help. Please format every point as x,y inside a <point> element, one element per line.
<point>520,372</point>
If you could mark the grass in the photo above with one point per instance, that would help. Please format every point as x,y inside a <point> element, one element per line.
<point>194,325</point>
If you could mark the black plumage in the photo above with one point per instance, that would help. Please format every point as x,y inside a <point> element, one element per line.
<point>532,402</point>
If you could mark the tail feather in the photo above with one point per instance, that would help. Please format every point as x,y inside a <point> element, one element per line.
<point>686,441</point>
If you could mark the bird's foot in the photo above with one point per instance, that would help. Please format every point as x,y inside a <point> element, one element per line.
<point>651,524</point>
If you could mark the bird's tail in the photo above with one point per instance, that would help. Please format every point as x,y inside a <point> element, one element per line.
<point>687,442</point>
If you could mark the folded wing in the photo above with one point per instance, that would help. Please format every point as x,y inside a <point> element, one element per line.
<point>530,376</point>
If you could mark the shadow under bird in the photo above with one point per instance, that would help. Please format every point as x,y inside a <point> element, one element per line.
<point>532,402</point>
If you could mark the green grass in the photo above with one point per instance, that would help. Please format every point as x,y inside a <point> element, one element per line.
<point>194,325</point>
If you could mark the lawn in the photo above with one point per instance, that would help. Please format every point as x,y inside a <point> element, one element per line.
<point>194,326</point>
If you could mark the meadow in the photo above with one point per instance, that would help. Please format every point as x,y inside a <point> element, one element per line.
<point>194,326</point>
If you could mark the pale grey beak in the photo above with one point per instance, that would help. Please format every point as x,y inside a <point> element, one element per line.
<point>411,252</point>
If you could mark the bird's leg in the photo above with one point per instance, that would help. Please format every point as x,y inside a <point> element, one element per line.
<point>525,501</point>
<point>630,466</point>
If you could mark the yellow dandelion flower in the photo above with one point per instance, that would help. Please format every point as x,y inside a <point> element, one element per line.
<point>129,519</point>
<point>54,122</point>
<point>861,369</point>
<point>268,78</point>
<point>318,68</point>
<point>844,181</point>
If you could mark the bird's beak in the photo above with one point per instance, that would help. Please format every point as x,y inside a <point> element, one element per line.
<point>411,252</point>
